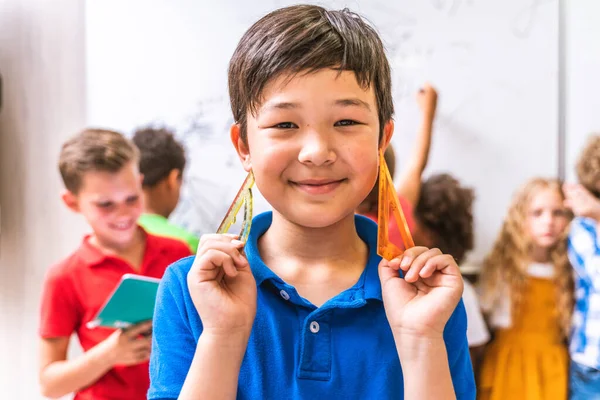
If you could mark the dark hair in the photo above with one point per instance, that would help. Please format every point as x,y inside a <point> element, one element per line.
<point>160,153</point>
<point>445,209</point>
<point>588,165</point>
<point>94,150</point>
<point>307,38</point>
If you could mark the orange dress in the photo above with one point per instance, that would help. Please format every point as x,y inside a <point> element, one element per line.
<point>529,360</point>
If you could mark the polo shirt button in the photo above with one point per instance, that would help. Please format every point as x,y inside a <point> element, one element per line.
<point>284,294</point>
<point>314,327</point>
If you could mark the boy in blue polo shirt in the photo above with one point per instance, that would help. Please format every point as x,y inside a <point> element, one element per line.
<point>308,309</point>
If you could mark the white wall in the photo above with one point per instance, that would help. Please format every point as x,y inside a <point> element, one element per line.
<point>583,76</point>
<point>42,63</point>
<point>495,64</point>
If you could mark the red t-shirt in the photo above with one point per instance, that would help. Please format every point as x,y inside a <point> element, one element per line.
<point>394,232</point>
<point>76,288</point>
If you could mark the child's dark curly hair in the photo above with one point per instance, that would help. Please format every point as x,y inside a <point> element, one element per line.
<point>588,165</point>
<point>445,209</point>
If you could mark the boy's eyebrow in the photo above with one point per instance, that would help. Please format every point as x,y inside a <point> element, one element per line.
<point>353,102</point>
<point>279,105</point>
<point>286,105</point>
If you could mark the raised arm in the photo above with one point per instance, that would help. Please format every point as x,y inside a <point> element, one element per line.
<point>409,182</point>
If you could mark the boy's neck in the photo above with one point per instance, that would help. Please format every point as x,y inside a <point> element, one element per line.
<point>287,243</point>
<point>151,206</point>
<point>132,252</point>
<point>319,262</point>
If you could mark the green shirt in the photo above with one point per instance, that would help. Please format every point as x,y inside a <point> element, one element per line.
<point>160,226</point>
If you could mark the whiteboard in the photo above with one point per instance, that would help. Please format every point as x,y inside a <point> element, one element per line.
<point>582,61</point>
<point>494,63</point>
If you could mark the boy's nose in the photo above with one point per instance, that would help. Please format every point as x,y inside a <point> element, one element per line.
<point>316,150</point>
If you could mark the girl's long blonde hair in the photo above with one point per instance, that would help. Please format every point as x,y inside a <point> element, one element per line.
<point>508,261</point>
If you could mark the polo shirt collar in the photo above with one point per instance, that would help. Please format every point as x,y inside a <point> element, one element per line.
<point>368,284</point>
<point>93,256</point>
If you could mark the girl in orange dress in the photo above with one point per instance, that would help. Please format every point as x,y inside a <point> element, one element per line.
<point>527,295</point>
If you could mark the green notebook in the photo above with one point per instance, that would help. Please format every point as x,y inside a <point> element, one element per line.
<point>130,303</point>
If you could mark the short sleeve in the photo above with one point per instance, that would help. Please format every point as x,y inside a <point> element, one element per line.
<point>60,311</point>
<point>477,331</point>
<point>173,339</point>
<point>459,359</point>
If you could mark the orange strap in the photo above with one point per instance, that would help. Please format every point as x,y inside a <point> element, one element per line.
<point>388,199</point>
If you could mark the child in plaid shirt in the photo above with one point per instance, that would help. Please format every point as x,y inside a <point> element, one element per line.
<point>584,254</point>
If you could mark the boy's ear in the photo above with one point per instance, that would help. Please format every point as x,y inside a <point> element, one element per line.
<point>174,177</point>
<point>70,200</point>
<point>388,132</point>
<point>240,146</point>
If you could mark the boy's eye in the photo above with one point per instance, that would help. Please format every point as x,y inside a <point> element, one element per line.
<point>106,204</point>
<point>132,199</point>
<point>346,122</point>
<point>285,125</point>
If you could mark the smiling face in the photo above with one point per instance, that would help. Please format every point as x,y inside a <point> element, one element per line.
<point>111,203</point>
<point>313,146</point>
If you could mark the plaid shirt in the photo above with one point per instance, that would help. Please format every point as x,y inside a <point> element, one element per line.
<point>584,254</point>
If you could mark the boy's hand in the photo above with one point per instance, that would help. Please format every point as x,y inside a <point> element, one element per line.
<point>129,346</point>
<point>222,286</point>
<point>581,201</point>
<point>420,304</point>
<point>427,100</point>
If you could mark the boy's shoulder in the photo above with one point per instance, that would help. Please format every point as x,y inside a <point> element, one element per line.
<point>67,266</point>
<point>166,244</point>
<point>160,226</point>
<point>177,272</point>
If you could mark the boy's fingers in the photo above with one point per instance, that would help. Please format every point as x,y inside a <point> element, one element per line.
<point>136,330</point>
<point>214,241</point>
<point>231,248</point>
<point>443,262</point>
<point>141,355</point>
<point>216,237</point>
<point>418,263</point>
<point>211,263</point>
<point>142,344</point>
<point>386,272</point>
<point>405,260</point>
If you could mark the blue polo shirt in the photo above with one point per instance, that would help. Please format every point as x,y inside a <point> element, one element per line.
<point>341,350</point>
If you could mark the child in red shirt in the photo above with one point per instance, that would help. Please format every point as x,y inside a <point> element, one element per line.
<point>100,172</point>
